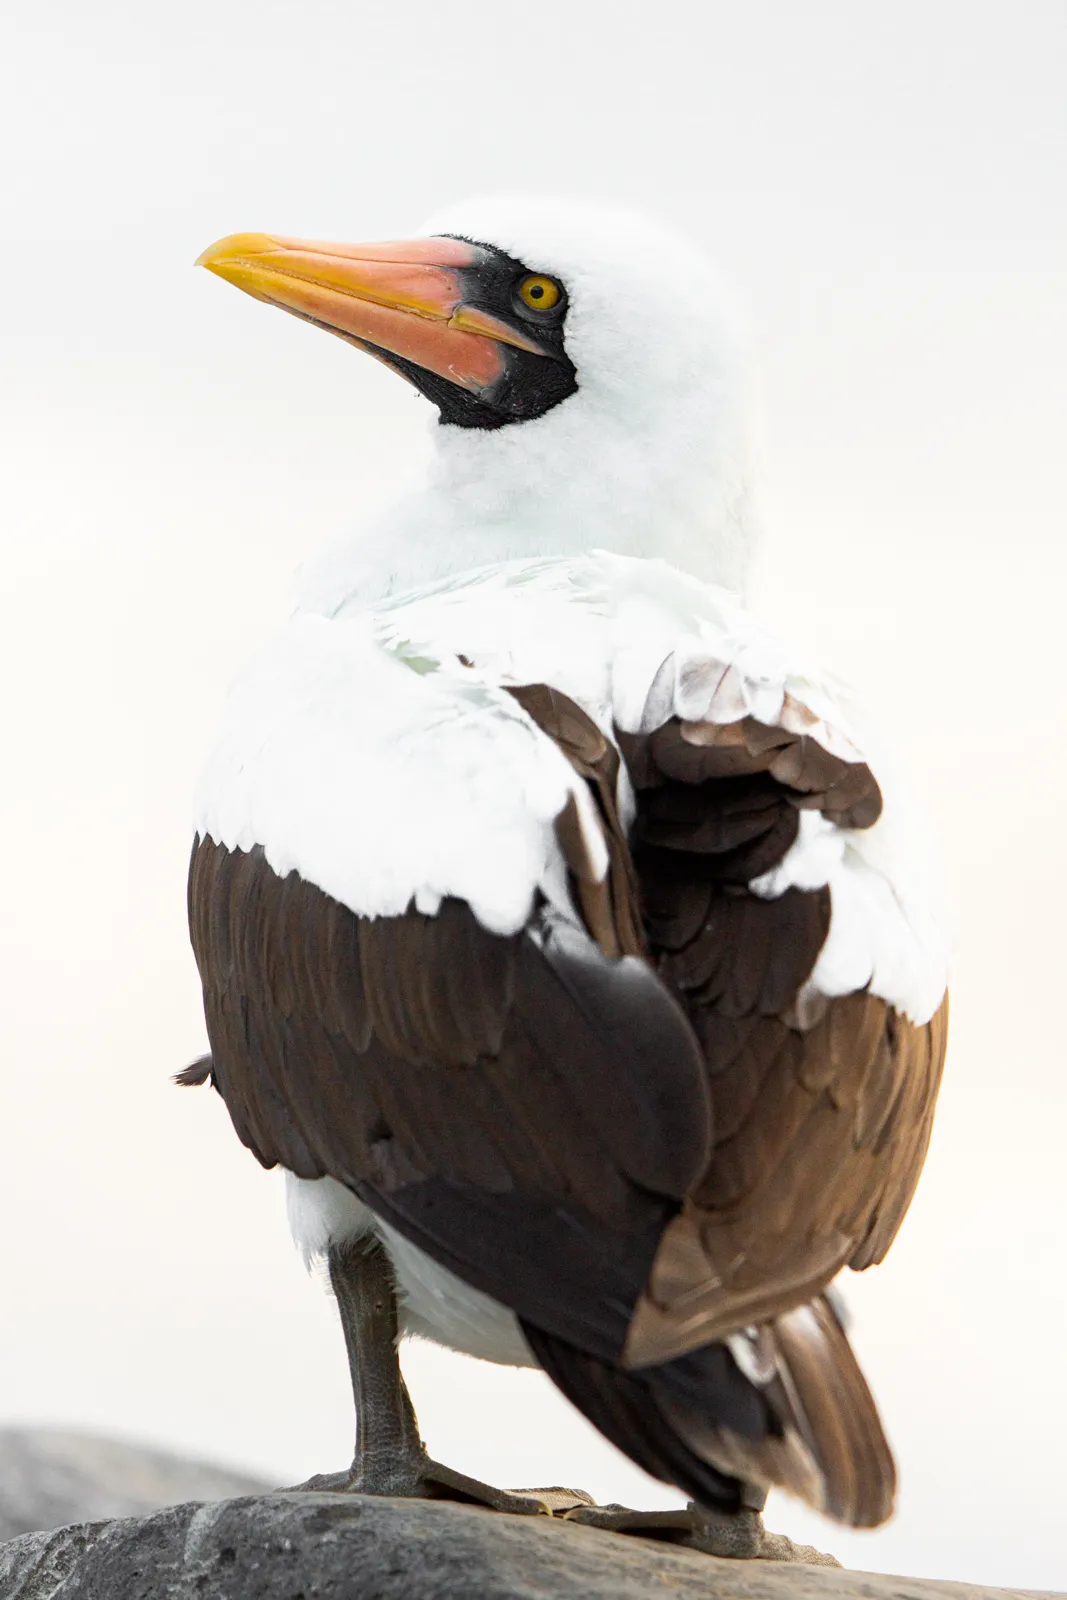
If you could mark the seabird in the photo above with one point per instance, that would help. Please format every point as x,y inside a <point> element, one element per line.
<point>561,934</point>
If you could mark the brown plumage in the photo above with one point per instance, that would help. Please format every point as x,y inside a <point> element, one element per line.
<point>821,1110</point>
<point>643,1139</point>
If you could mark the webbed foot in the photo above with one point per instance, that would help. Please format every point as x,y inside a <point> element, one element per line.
<point>739,1535</point>
<point>422,1478</point>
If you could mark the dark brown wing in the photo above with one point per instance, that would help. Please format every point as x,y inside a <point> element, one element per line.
<point>821,1112</point>
<point>525,1109</point>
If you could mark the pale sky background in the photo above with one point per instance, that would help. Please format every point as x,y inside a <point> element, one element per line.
<point>886,185</point>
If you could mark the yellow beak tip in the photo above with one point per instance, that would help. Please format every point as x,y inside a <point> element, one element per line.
<point>235,245</point>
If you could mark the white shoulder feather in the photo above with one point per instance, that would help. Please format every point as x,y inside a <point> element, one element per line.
<point>381,757</point>
<point>386,778</point>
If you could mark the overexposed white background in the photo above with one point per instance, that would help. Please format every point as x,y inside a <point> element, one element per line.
<point>886,185</point>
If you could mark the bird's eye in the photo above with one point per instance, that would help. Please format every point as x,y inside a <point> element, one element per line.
<point>539,293</point>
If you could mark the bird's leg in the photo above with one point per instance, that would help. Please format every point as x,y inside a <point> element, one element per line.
<point>390,1457</point>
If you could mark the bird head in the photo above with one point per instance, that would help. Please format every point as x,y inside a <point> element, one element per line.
<point>585,363</point>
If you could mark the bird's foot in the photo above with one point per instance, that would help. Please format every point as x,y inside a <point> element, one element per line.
<point>737,1534</point>
<point>444,1483</point>
<point>421,1478</point>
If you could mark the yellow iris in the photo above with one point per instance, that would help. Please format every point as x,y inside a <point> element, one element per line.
<point>540,294</point>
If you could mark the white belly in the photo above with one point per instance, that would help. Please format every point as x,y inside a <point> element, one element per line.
<point>433,1303</point>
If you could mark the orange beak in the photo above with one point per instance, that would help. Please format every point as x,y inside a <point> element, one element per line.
<point>404,300</point>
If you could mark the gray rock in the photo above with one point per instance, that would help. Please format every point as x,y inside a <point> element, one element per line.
<point>50,1477</point>
<point>335,1547</point>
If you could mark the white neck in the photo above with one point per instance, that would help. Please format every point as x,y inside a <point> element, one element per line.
<point>562,485</point>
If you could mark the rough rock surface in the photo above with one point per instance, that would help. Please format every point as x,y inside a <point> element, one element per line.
<point>49,1477</point>
<point>333,1547</point>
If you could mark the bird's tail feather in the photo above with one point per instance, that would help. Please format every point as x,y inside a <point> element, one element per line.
<point>783,1405</point>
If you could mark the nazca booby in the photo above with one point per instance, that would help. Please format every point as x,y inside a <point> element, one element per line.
<point>558,933</point>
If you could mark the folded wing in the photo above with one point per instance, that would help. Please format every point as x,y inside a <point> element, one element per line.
<point>656,1116</point>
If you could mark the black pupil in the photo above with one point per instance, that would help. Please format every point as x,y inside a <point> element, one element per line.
<point>536,291</point>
